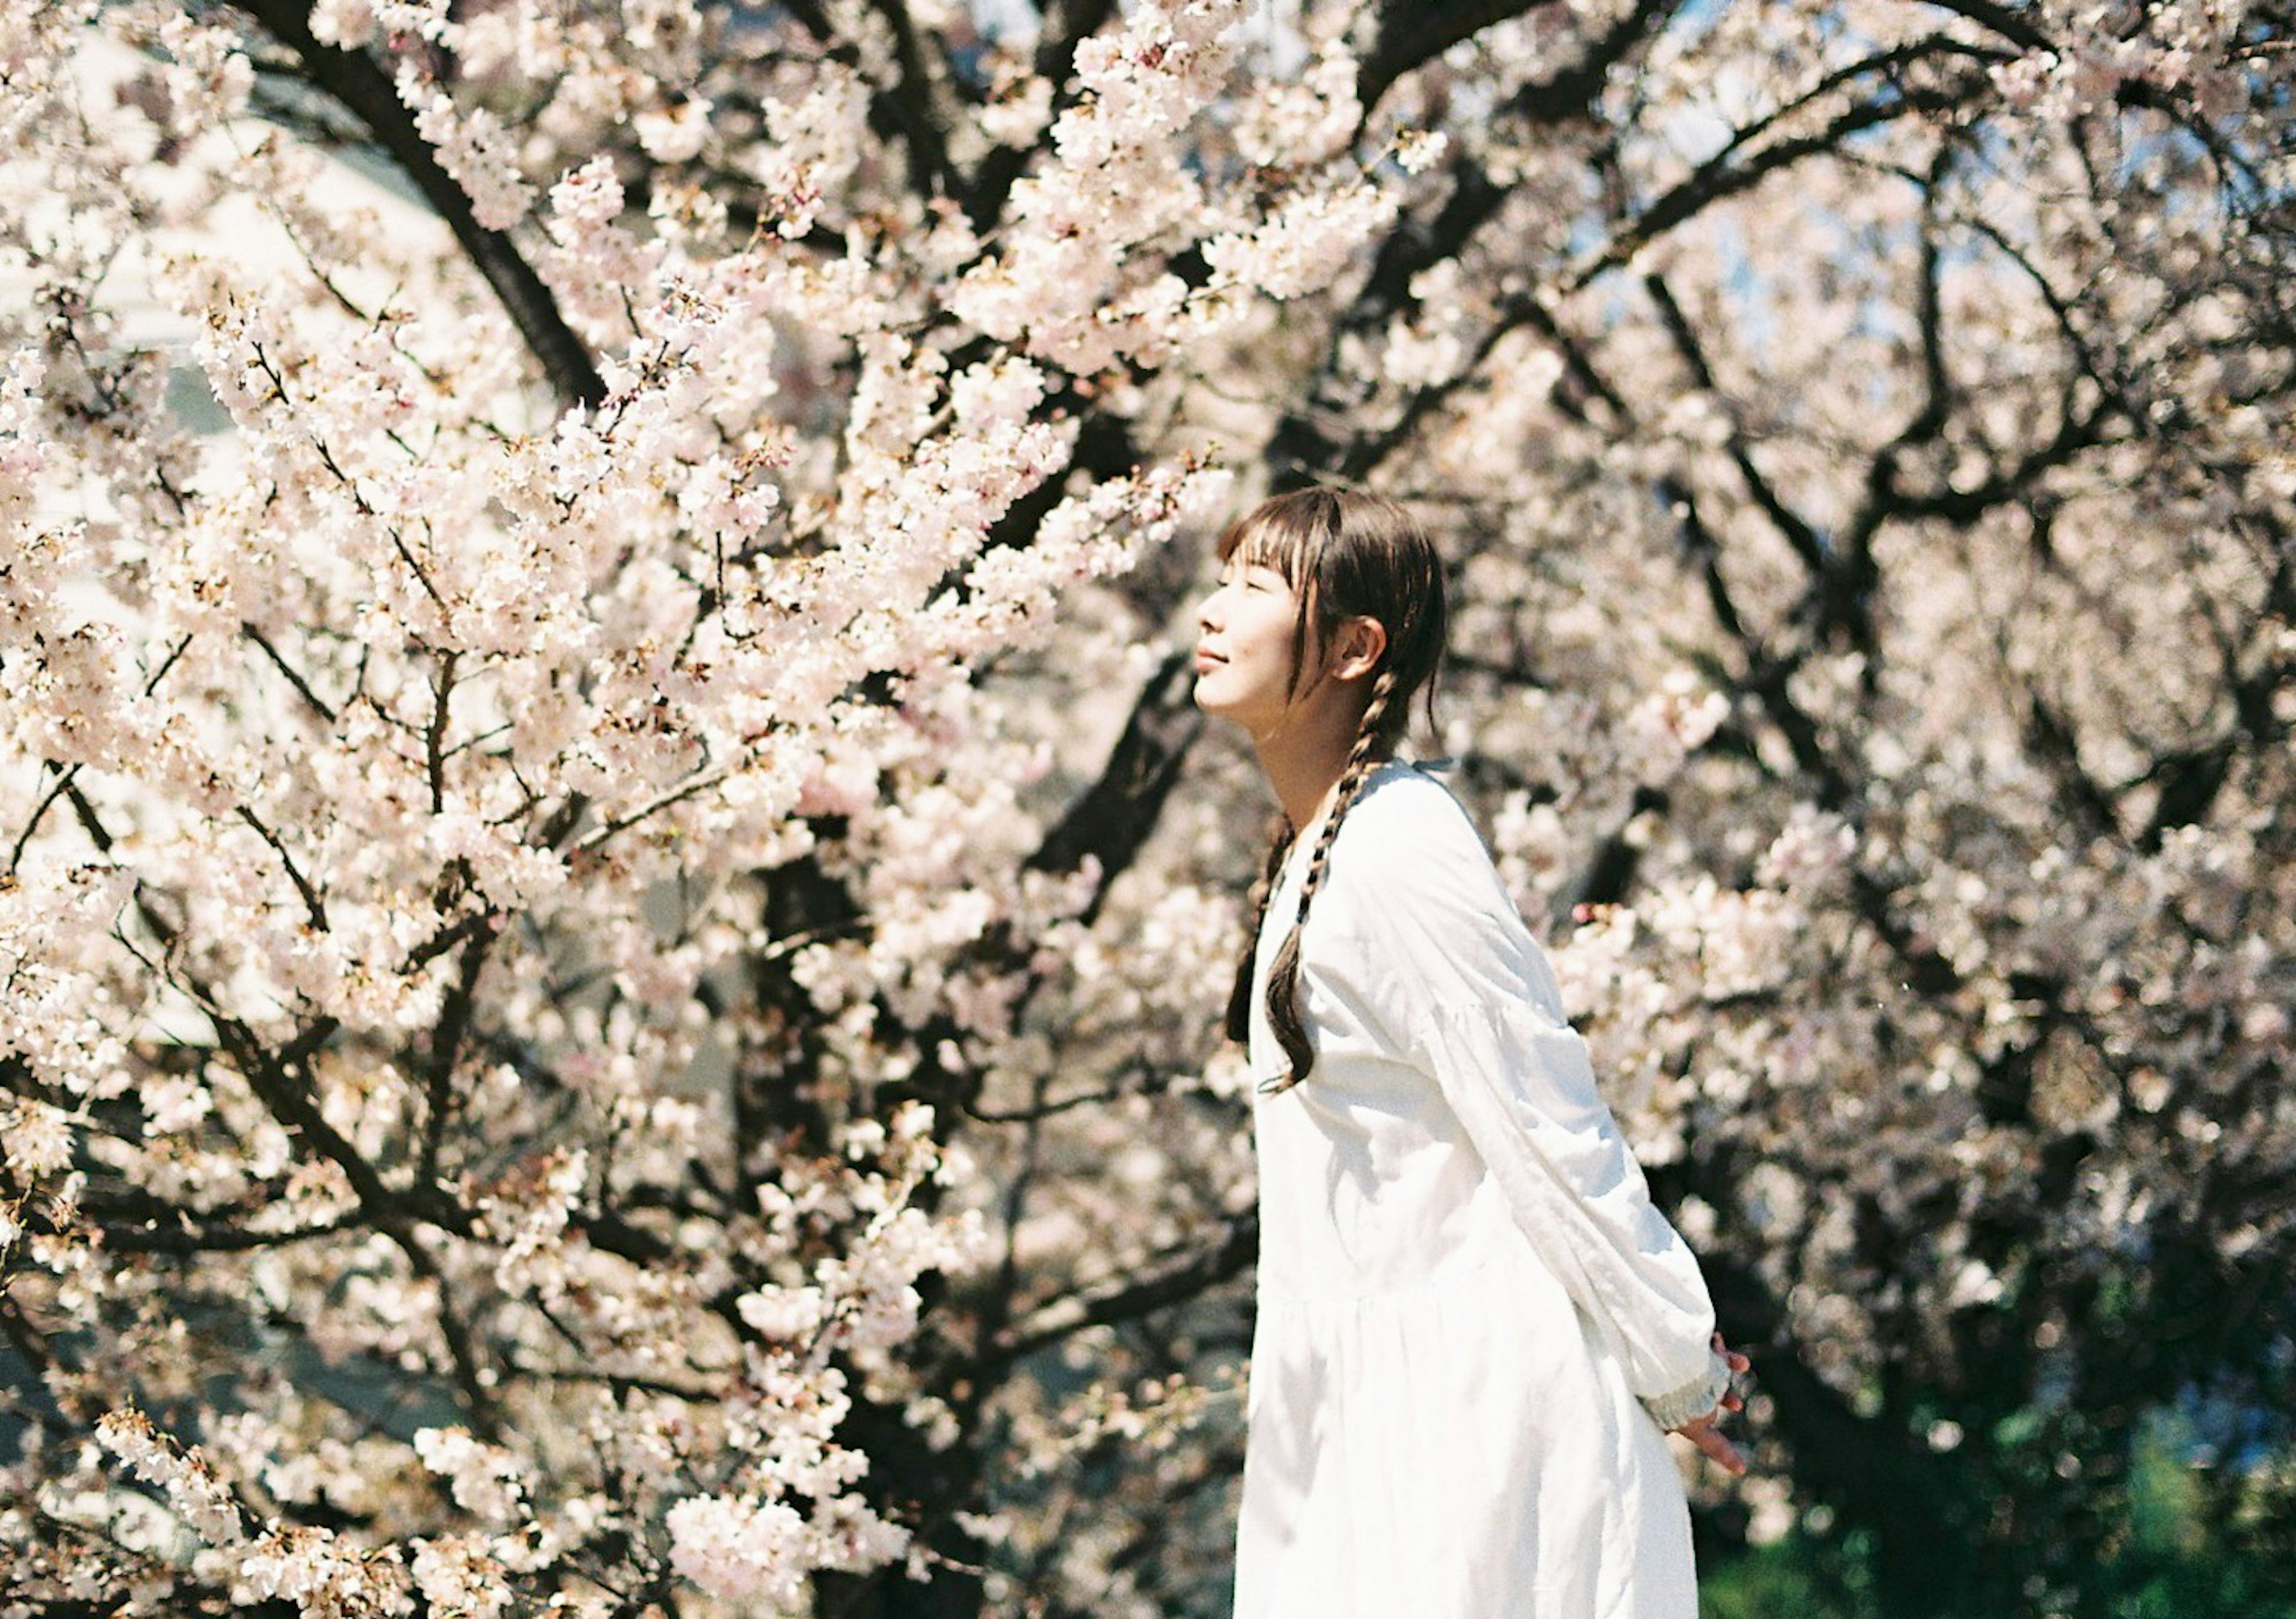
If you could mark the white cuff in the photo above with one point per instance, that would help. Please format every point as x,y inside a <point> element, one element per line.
<point>1698,1397</point>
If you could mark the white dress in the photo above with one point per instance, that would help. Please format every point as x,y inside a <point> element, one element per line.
<point>1471,1319</point>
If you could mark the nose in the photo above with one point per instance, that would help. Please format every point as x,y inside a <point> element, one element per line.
<point>1208,610</point>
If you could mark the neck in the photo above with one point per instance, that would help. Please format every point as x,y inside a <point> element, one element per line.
<point>1304,757</point>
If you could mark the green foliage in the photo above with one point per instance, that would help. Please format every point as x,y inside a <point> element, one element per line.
<point>2187,1547</point>
<point>1799,1578</point>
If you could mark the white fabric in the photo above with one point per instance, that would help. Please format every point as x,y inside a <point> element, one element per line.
<point>1465,1290</point>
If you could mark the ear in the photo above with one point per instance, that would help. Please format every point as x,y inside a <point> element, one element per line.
<point>1357,648</point>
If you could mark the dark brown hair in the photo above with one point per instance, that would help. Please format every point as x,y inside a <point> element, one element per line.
<point>1348,556</point>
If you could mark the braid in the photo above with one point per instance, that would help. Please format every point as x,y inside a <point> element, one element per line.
<point>1239,997</point>
<point>1284,975</point>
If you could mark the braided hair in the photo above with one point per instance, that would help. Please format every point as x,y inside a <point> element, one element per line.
<point>1348,556</point>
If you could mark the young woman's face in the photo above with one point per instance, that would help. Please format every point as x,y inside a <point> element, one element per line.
<point>1243,650</point>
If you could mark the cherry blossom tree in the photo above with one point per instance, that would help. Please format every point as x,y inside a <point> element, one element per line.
<point>615,906</point>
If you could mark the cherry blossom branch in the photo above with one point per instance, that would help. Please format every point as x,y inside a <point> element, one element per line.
<point>314,908</point>
<point>1767,676</point>
<point>188,1237</point>
<point>2108,374</point>
<point>447,1041</point>
<point>311,698</point>
<point>2053,741</point>
<point>908,111</point>
<point>2014,25</point>
<point>1113,817</point>
<point>922,94</point>
<point>1791,526</point>
<point>434,736</point>
<point>354,79</point>
<point>597,837</point>
<point>273,1077</point>
<point>1063,26</point>
<point>480,1402</point>
<point>1302,444</point>
<point>280,1082</point>
<point>1127,1299</point>
<point>1746,159</point>
<point>66,774</point>
<point>1411,33</point>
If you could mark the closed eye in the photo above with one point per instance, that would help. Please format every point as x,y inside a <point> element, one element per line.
<point>1253,576</point>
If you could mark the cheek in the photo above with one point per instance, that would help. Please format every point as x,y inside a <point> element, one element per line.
<point>1274,625</point>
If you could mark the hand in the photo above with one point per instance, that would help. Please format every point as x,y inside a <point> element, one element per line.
<point>1701,1432</point>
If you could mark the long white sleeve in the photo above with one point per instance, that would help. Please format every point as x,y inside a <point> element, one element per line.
<point>1466,994</point>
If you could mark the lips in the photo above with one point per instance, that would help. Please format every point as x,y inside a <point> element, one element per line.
<point>1207,659</point>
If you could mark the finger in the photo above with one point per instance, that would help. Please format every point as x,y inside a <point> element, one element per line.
<point>1711,1440</point>
<point>1701,1432</point>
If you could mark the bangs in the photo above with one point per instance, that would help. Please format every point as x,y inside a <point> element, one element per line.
<point>1287,534</point>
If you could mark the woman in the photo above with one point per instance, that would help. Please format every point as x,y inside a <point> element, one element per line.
<point>1473,1325</point>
